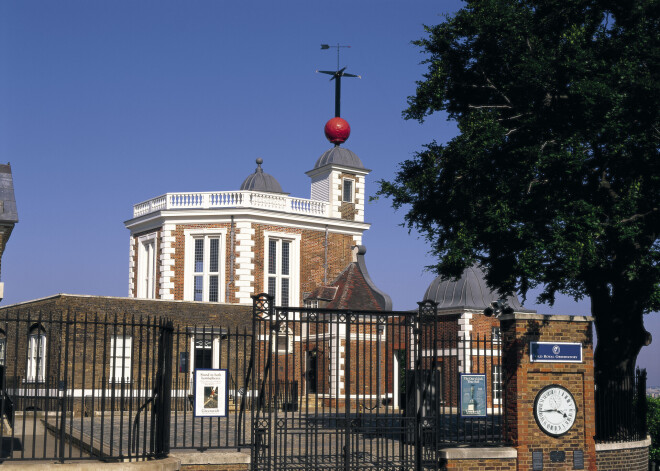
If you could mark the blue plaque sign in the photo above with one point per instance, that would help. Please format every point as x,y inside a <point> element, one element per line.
<point>555,352</point>
<point>473,395</point>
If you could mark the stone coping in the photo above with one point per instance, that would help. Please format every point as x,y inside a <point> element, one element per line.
<point>165,464</point>
<point>623,445</point>
<point>525,316</point>
<point>211,457</point>
<point>478,453</point>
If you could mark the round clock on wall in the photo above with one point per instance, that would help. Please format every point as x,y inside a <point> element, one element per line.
<point>555,410</point>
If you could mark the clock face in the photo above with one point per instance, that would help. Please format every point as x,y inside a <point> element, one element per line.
<point>555,410</point>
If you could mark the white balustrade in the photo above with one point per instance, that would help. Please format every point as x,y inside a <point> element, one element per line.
<point>232,199</point>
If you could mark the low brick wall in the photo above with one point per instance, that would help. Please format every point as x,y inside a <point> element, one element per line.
<point>631,456</point>
<point>478,459</point>
<point>232,316</point>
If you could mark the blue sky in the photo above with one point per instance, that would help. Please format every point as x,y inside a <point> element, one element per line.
<point>106,104</point>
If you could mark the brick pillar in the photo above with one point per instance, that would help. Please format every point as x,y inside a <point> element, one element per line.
<point>524,379</point>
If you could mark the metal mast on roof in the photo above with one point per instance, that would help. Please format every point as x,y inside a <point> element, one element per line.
<point>336,76</point>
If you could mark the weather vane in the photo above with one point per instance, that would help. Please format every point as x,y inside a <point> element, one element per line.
<point>336,76</point>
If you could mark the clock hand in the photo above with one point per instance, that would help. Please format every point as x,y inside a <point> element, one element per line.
<point>554,410</point>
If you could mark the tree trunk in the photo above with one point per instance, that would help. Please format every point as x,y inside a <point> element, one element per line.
<point>620,337</point>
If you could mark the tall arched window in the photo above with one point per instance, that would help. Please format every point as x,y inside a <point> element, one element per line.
<point>36,361</point>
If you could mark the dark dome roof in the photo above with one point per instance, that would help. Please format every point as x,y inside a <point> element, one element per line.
<point>339,156</point>
<point>261,181</point>
<point>469,291</point>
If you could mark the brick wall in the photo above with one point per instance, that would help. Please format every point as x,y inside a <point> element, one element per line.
<point>479,465</point>
<point>632,456</point>
<point>87,358</point>
<point>180,253</point>
<point>525,379</point>
<point>483,325</point>
<point>312,254</point>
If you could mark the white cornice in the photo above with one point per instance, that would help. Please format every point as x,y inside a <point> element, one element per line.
<point>342,168</point>
<point>257,216</point>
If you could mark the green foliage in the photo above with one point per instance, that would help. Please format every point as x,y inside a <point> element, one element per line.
<point>554,178</point>
<point>653,421</point>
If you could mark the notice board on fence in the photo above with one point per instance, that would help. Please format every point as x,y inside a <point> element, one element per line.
<point>210,393</point>
<point>473,395</point>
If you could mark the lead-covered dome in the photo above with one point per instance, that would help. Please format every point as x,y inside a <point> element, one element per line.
<point>339,156</point>
<point>261,181</point>
<point>470,291</point>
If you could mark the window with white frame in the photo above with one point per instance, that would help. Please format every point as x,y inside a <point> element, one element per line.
<point>146,276</point>
<point>312,303</point>
<point>347,190</point>
<point>283,340</point>
<point>282,267</point>
<point>203,352</point>
<point>496,335</point>
<point>36,362</point>
<point>3,348</point>
<point>497,383</point>
<point>120,358</point>
<point>204,267</point>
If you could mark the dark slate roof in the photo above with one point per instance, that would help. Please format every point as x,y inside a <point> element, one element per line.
<point>470,291</point>
<point>8,213</point>
<point>261,181</point>
<point>339,156</point>
<point>354,289</point>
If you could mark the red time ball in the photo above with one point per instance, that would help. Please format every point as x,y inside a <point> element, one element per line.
<point>337,130</point>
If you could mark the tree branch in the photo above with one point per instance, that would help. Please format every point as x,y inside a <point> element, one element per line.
<point>479,107</point>
<point>551,141</point>
<point>497,89</point>
<point>514,117</point>
<point>605,184</point>
<point>638,216</point>
<point>529,188</point>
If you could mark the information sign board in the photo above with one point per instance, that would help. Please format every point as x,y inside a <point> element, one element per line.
<point>555,352</point>
<point>473,395</point>
<point>210,393</point>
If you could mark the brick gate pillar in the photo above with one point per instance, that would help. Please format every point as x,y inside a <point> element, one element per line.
<point>541,364</point>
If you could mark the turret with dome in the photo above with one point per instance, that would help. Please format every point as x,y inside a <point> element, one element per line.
<point>339,175</point>
<point>470,291</point>
<point>261,181</point>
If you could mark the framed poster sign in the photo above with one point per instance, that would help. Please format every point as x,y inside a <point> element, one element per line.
<point>210,393</point>
<point>473,395</point>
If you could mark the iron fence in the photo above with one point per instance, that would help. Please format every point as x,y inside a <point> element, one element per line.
<point>216,348</point>
<point>621,408</point>
<point>84,387</point>
<point>372,389</point>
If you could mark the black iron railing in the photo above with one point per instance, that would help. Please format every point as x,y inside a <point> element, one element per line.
<point>621,408</point>
<point>210,347</point>
<point>351,389</point>
<point>76,381</point>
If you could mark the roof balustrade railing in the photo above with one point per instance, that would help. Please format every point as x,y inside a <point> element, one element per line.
<point>231,199</point>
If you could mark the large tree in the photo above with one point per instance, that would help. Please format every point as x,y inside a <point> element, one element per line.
<point>553,180</point>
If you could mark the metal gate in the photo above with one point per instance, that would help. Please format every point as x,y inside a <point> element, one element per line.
<point>354,389</point>
<point>76,386</point>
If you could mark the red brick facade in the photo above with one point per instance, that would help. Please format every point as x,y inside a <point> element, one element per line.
<point>525,379</point>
